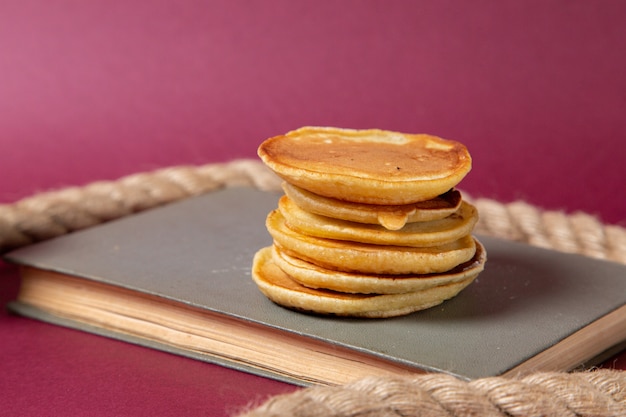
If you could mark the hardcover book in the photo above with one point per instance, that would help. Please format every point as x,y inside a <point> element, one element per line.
<point>177,278</point>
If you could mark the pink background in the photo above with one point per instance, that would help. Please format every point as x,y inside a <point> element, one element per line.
<point>101,89</point>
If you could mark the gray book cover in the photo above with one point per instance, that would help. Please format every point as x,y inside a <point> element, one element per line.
<point>199,252</point>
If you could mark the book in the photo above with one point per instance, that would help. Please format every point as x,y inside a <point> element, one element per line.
<point>177,278</point>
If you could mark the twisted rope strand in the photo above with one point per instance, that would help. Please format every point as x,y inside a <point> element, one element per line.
<point>598,393</point>
<point>54,213</point>
<point>573,233</point>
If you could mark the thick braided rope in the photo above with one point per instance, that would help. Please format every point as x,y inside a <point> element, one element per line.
<point>55,213</point>
<point>600,393</point>
<point>58,212</point>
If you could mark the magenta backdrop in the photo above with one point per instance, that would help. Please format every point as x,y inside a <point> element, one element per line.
<point>101,89</point>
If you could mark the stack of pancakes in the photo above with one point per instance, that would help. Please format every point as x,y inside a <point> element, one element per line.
<point>370,225</point>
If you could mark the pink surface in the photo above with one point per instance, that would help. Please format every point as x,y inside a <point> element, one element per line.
<point>97,90</point>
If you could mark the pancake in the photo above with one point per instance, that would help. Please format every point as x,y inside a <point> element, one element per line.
<point>368,258</point>
<point>314,276</point>
<point>370,225</point>
<point>418,234</point>
<point>367,166</point>
<point>390,217</point>
<point>281,289</point>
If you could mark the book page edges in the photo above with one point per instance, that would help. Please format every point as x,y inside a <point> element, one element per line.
<point>200,332</point>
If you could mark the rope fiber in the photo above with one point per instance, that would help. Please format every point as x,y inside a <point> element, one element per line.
<point>600,393</point>
<point>596,393</point>
<point>54,213</point>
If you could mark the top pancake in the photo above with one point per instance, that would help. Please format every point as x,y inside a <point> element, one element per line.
<point>367,166</point>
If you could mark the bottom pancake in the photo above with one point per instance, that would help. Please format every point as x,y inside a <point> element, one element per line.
<point>315,276</point>
<point>283,290</point>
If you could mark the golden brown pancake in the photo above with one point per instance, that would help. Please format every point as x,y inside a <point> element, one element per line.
<point>368,258</point>
<point>390,217</point>
<point>314,276</point>
<point>370,225</point>
<point>367,166</point>
<point>281,289</point>
<point>418,234</point>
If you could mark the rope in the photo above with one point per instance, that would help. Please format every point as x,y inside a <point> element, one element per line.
<point>598,393</point>
<point>54,213</point>
<point>574,233</point>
